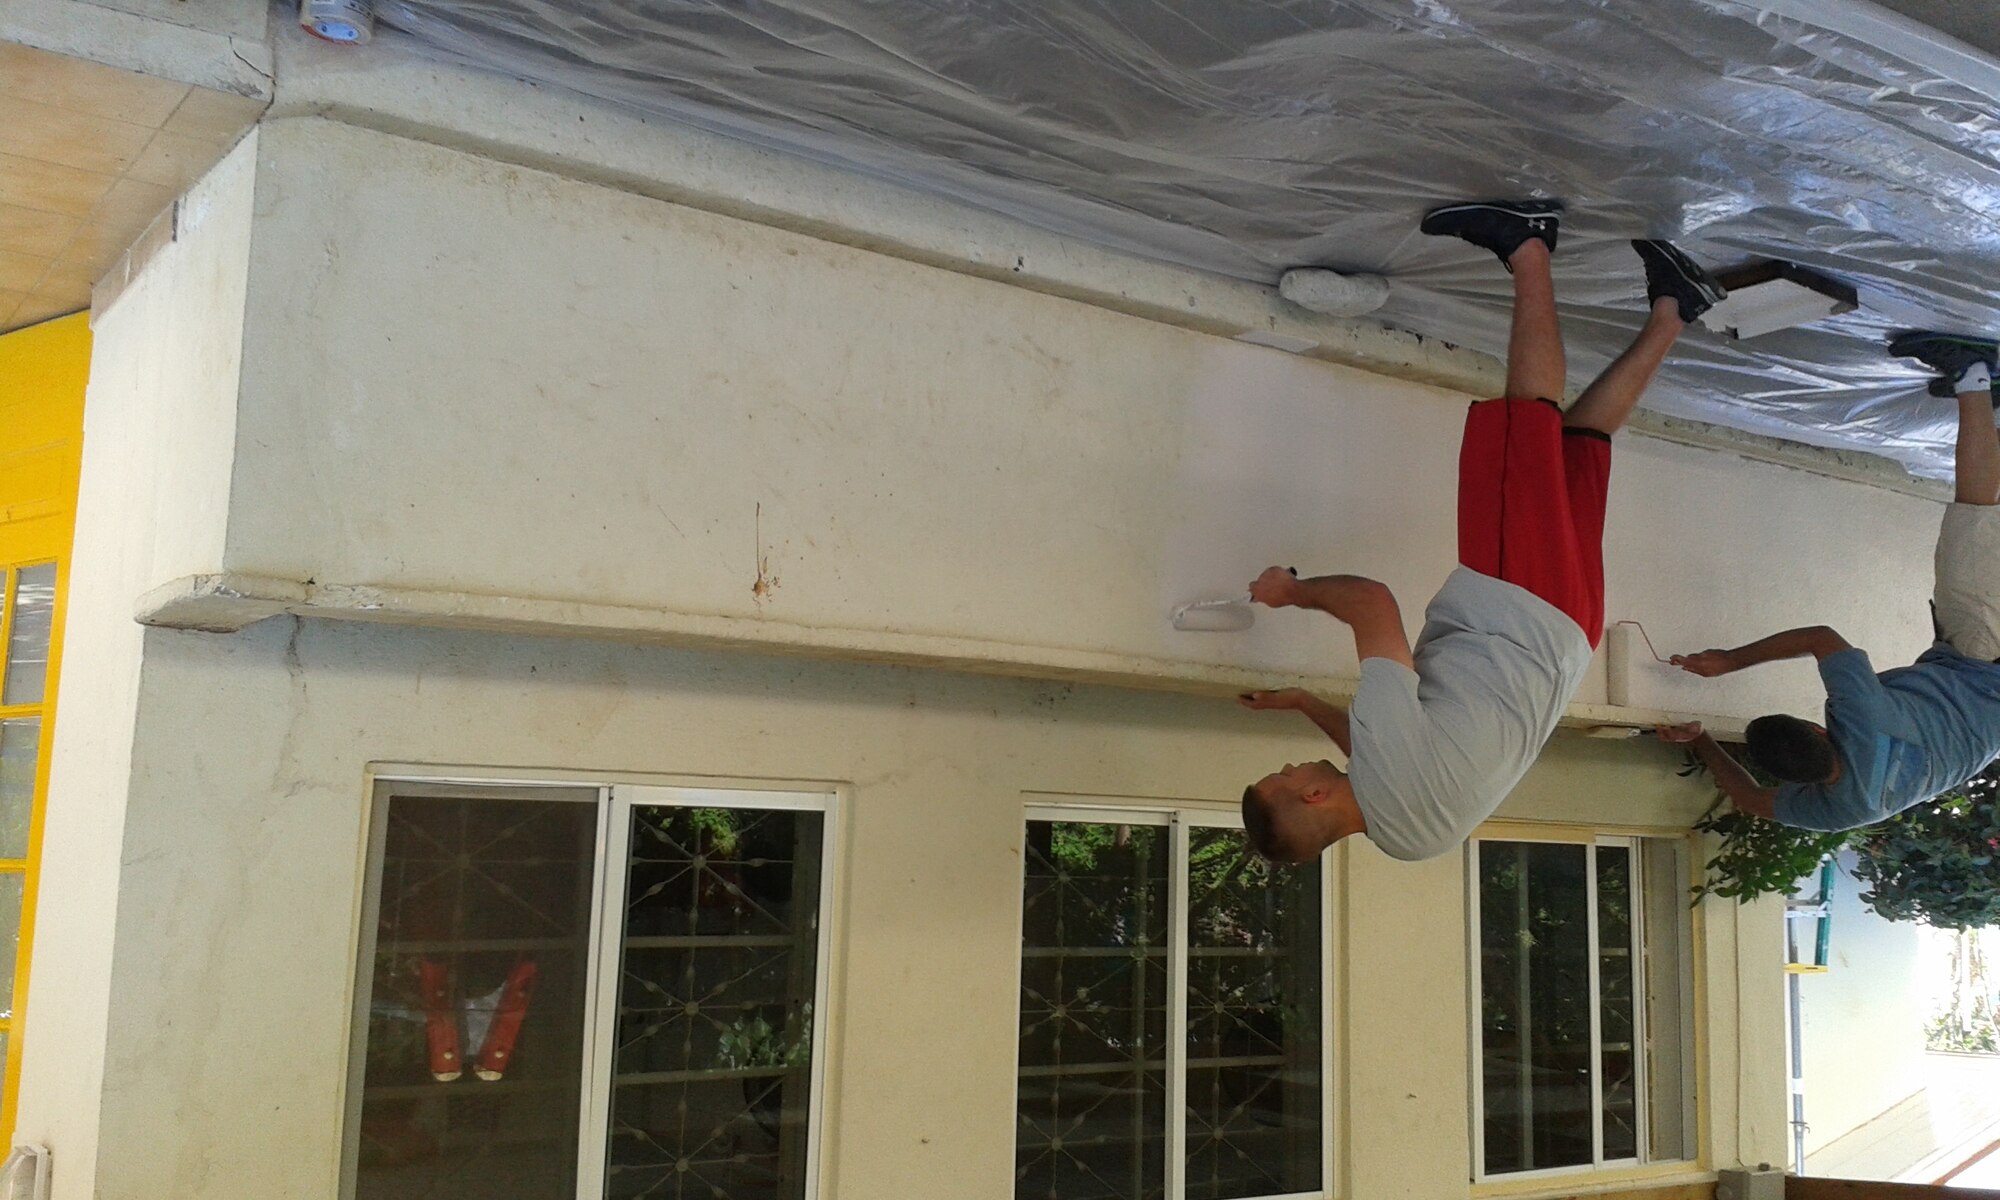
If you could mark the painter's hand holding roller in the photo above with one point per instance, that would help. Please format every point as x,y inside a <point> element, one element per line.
<point>1897,738</point>
<point>1439,734</point>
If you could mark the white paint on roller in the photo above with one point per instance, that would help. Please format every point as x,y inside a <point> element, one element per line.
<point>1333,294</point>
<point>1618,664</point>
<point>1232,615</point>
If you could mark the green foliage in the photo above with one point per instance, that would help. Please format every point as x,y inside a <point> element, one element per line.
<point>1968,1020</point>
<point>751,1042</point>
<point>1757,857</point>
<point>1936,863</point>
<point>1948,1033</point>
<point>1761,858</point>
<point>719,826</point>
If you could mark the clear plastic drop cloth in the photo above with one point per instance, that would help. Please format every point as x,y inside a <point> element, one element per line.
<point>1244,137</point>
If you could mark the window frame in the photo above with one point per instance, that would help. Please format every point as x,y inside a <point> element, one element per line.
<point>614,798</point>
<point>1686,966</point>
<point>1178,818</point>
<point>42,711</point>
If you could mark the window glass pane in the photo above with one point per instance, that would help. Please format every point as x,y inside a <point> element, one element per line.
<point>1617,1057</point>
<point>1254,1021</point>
<point>20,754</point>
<point>1669,989</point>
<point>1092,1093</point>
<point>12,884</point>
<point>33,610</point>
<point>473,1062</point>
<point>712,1080</point>
<point>1534,953</point>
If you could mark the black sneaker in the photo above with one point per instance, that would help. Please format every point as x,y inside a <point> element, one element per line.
<point>1948,354</point>
<point>1500,226</point>
<point>1671,273</point>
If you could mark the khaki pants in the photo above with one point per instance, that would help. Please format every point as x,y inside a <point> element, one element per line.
<point>1968,580</point>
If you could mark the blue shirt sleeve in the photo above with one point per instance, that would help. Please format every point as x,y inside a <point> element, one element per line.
<point>1850,680</point>
<point>1809,806</point>
<point>1869,731</point>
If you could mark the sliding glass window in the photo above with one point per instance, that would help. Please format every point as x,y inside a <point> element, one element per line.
<point>611,992</point>
<point>1173,1012</point>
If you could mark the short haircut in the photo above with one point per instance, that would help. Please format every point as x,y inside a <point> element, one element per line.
<point>1260,824</point>
<point>1791,749</point>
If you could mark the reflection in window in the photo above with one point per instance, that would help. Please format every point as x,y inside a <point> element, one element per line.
<point>1114,914</point>
<point>577,991</point>
<point>31,619</point>
<point>1583,982</point>
<point>474,1058</point>
<point>1254,1031</point>
<point>20,757</point>
<point>713,1071</point>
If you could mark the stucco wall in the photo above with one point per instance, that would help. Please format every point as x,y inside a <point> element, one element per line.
<point>158,428</point>
<point>471,377</point>
<point>242,872</point>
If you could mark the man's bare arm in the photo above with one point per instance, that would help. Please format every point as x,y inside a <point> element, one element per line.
<point>1820,641</point>
<point>1331,720</point>
<point>1743,790</point>
<point>1367,606</point>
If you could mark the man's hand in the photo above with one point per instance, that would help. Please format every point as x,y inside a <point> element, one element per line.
<point>1277,587</point>
<point>1281,698</point>
<point>1708,664</point>
<point>1679,733</point>
<point>1816,640</point>
<point>1332,720</point>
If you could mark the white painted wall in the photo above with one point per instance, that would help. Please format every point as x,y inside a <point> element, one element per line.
<point>470,377</point>
<point>1864,1019</point>
<point>157,437</point>
<point>241,876</point>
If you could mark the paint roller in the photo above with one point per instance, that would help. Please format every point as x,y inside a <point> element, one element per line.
<point>1232,614</point>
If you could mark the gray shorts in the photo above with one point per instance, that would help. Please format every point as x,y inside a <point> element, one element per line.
<point>1967,597</point>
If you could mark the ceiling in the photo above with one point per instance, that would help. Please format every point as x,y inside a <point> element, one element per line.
<point>89,156</point>
<point>1970,21</point>
<point>1248,137</point>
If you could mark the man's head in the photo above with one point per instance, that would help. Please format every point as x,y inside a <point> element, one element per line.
<point>1791,749</point>
<point>1293,814</point>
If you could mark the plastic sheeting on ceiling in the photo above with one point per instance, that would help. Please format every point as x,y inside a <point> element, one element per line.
<point>1248,136</point>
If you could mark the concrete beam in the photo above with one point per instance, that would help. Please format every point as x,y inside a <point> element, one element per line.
<point>389,88</point>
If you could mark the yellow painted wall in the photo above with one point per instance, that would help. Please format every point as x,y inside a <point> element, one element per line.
<point>43,370</point>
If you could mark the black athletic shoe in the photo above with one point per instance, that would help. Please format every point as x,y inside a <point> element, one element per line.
<point>1672,273</point>
<point>1948,354</point>
<point>1500,226</point>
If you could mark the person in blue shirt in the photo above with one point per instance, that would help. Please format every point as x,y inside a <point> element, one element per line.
<point>1898,738</point>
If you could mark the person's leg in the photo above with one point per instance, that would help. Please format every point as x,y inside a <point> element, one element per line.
<point>1522,234</point>
<point>1965,600</point>
<point>1965,368</point>
<point>1610,399</point>
<point>1679,290</point>
<point>1977,455</point>
<point>1535,366</point>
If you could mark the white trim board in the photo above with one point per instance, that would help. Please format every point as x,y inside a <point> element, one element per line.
<point>228,602</point>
